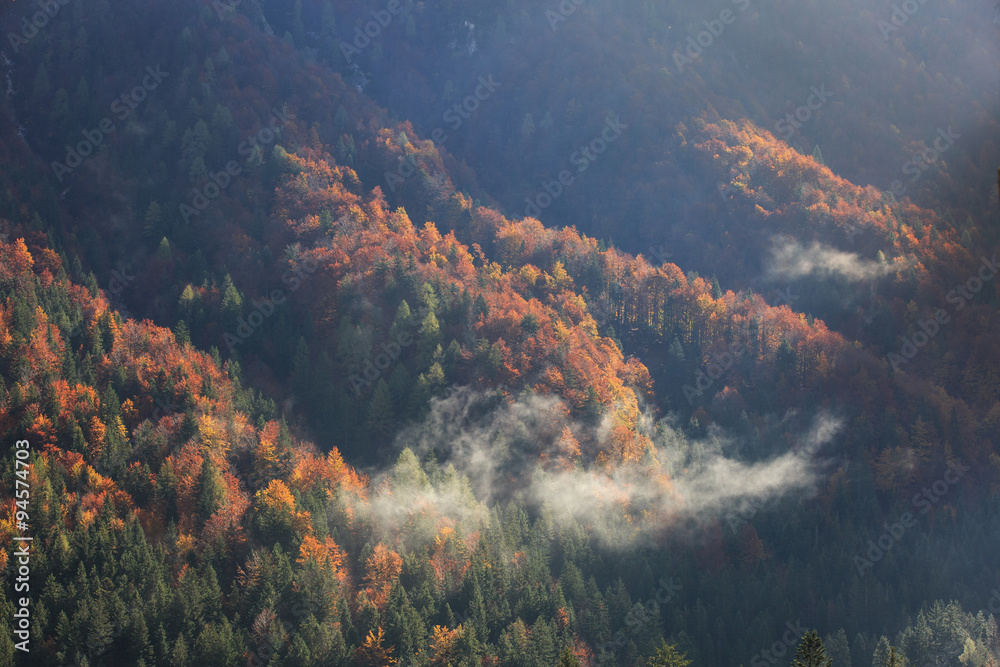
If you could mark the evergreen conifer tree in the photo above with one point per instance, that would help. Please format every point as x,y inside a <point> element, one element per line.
<point>667,655</point>
<point>811,652</point>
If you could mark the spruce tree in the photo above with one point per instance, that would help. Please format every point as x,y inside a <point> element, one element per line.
<point>667,655</point>
<point>882,651</point>
<point>380,422</point>
<point>567,659</point>
<point>676,350</point>
<point>892,660</point>
<point>189,426</point>
<point>811,652</point>
<point>298,654</point>
<point>232,303</point>
<point>210,491</point>
<point>152,219</point>
<point>403,321</point>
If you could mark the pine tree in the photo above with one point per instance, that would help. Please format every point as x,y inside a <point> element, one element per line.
<point>881,653</point>
<point>341,118</point>
<point>166,491</point>
<point>151,220</point>
<point>179,652</point>
<point>232,302</point>
<point>182,334</point>
<point>480,308</point>
<point>403,322</point>
<point>667,655</point>
<point>428,335</point>
<point>187,300</point>
<point>676,350</point>
<point>567,659</point>
<point>189,426</point>
<point>838,648</point>
<point>892,660</point>
<point>210,492</point>
<point>380,422</point>
<point>298,654</point>
<point>100,632</point>
<point>216,645</point>
<point>404,626</point>
<point>163,251</point>
<point>811,652</point>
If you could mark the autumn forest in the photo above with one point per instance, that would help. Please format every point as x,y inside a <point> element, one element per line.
<point>456,333</point>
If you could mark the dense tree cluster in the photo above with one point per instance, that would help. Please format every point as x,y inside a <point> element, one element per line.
<point>225,407</point>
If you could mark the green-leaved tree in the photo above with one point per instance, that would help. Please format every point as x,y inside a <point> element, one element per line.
<point>811,652</point>
<point>667,655</point>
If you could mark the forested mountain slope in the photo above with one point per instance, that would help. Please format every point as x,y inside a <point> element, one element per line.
<point>286,409</point>
<point>870,109</point>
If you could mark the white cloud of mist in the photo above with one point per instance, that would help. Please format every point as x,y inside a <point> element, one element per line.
<point>507,449</point>
<point>791,259</point>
